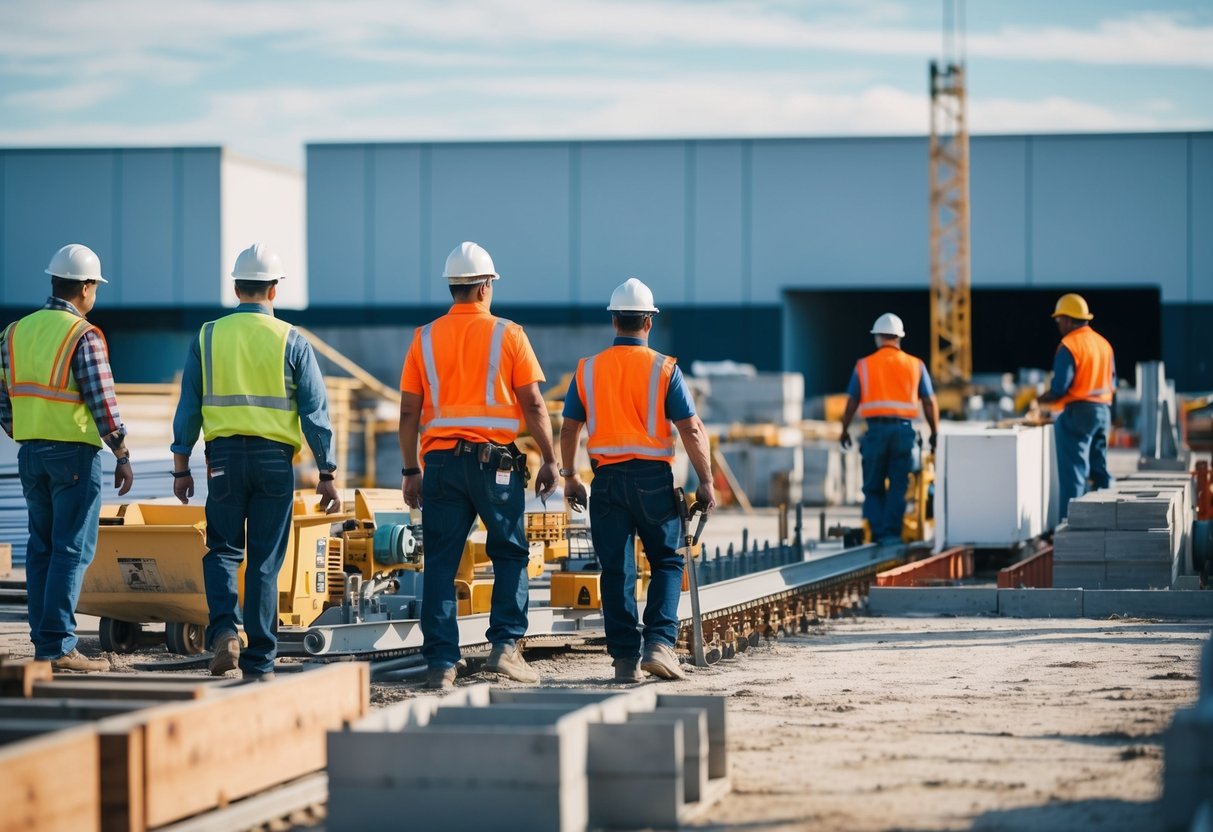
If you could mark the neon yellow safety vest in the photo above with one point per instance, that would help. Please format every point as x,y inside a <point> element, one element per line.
<point>245,391</point>
<point>46,399</point>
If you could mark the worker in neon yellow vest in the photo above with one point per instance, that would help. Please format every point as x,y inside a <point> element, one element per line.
<point>57,400</point>
<point>250,383</point>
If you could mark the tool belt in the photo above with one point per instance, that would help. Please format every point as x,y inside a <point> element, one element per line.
<point>498,457</point>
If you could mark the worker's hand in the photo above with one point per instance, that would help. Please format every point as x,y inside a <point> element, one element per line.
<point>411,487</point>
<point>124,477</point>
<point>330,503</point>
<point>934,440</point>
<point>705,496</point>
<point>183,488</point>
<point>545,481</point>
<point>845,440</point>
<point>575,494</point>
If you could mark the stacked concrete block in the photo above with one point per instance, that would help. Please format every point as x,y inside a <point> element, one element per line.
<point>1078,556</point>
<point>761,468</point>
<point>823,474</point>
<point>765,397</point>
<point>540,759</point>
<point>1188,757</point>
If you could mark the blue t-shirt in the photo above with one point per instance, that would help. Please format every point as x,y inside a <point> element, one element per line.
<point>678,404</point>
<point>925,388</point>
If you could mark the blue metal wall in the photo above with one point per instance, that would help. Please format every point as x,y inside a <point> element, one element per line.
<point>152,216</point>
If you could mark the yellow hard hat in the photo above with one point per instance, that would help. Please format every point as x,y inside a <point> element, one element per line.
<point>1073,306</point>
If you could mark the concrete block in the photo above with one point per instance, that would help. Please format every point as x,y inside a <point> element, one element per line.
<point>1154,544</point>
<point>1079,575</point>
<point>694,743</point>
<point>1096,510</point>
<point>896,600</point>
<point>715,708</point>
<point>514,715</point>
<point>1147,603</point>
<point>1071,544</point>
<point>635,775</point>
<point>1148,510</point>
<point>1040,603</point>
<point>1132,574</point>
<point>612,706</point>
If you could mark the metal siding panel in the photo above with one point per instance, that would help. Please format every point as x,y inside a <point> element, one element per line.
<point>853,212</point>
<point>146,230</point>
<point>200,205</point>
<point>1200,223</point>
<point>38,222</point>
<point>396,221</point>
<point>999,219</point>
<point>633,219</point>
<point>513,200</point>
<point>718,223</point>
<point>1110,210</point>
<point>336,226</point>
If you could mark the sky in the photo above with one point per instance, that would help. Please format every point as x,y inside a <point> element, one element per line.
<point>265,77</point>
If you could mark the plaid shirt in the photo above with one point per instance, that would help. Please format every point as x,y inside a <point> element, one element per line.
<point>91,367</point>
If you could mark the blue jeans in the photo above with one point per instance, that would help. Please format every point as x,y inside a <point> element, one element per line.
<point>62,486</point>
<point>887,451</point>
<point>249,500</point>
<point>1081,436</point>
<point>454,491</point>
<point>629,498</point>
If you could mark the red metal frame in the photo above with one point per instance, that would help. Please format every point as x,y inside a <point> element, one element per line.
<point>950,565</point>
<point>1204,491</point>
<point>1035,571</point>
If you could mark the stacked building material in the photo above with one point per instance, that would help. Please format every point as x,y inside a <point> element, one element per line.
<point>1136,535</point>
<point>765,397</point>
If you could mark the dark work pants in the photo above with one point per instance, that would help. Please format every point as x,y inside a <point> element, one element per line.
<point>887,453</point>
<point>1081,437</point>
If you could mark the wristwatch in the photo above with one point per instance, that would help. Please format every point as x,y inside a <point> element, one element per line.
<point>567,472</point>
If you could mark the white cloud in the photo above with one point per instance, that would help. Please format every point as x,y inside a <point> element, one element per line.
<point>64,98</point>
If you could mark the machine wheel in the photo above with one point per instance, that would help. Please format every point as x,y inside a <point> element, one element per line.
<point>184,639</point>
<point>119,636</point>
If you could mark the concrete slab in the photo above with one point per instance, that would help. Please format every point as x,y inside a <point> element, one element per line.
<point>695,745</point>
<point>1150,603</point>
<point>1071,544</point>
<point>1129,574</point>
<point>635,775</point>
<point>1147,510</point>
<point>1074,575</point>
<point>1040,603</point>
<point>716,710</point>
<point>1096,510</point>
<point>1140,545</point>
<point>896,600</point>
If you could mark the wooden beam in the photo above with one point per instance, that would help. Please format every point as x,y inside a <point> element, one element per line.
<point>86,689</point>
<point>69,708</point>
<point>123,797</point>
<point>17,678</point>
<point>14,730</point>
<point>51,783</point>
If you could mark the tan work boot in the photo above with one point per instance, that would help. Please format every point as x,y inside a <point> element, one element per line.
<point>508,661</point>
<point>660,661</point>
<point>227,654</point>
<point>627,671</point>
<point>440,678</point>
<point>75,660</point>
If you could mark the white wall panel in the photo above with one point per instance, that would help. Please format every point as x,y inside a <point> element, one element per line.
<point>263,203</point>
<point>1109,210</point>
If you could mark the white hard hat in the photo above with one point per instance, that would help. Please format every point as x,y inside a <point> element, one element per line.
<point>76,262</point>
<point>469,263</point>
<point>258,262</point>
<point>889,324</point>
<point>632,296</point>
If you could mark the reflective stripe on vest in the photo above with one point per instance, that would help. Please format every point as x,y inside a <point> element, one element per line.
<point>245,389</point>
<point>46,400</point>
<point>481,420</point>
<point>1093,367</point>
<point>619,439</point>
<point>888,384</point>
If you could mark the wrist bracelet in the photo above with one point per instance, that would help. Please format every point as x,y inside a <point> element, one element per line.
<point>567,472</point>
<point>326,476</point>
<point>409,472</point>
<point>179,474</point>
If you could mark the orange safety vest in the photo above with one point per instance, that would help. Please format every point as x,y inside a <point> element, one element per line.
<point>466,392</point>
<point>888,383</point>
<point>624,390</point>
<point>1093,367</point>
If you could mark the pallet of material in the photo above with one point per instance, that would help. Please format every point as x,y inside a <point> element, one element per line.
<point>174,747</point>
<point>583,759</point>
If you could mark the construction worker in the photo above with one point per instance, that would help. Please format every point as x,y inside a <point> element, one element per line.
<point>886,389</point>
<point>250,381</point>
<point>57,401</point>
<point>1084,378</point>
<point>628,395</point>
<point>468,379</point>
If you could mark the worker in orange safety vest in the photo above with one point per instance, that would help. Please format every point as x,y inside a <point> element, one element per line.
<point>887,388</point>
<point>1084,380</point>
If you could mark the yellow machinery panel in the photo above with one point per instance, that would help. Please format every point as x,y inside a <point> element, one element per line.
<point>579,590</point>
<point>475,596</point>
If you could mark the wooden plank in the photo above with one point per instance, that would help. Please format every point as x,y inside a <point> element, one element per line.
<point>69,708</point>
<point>84,688</point>
<point>17,678</point>
<point>210,753</point>
<point>51,783</point>
<point>122,790</point>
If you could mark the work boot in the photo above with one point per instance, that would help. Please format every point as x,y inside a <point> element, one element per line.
<point>440,678</point>
<point>507,660</point>
<point>75,660</point>
<point>661,662</point>
<point>249,676</point>
<point>627,671</point>
<point>227,654</point>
